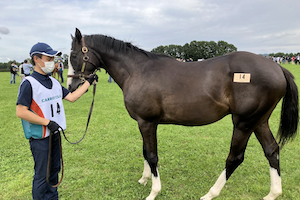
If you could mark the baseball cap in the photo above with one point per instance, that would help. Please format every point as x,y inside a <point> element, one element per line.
<point>44,49</point>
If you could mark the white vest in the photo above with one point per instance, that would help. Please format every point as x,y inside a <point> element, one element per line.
<point>46,103</point>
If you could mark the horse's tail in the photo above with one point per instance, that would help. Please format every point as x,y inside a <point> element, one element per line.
<point>289,111</point>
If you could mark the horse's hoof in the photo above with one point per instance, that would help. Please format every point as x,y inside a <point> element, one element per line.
<point>142,182</point>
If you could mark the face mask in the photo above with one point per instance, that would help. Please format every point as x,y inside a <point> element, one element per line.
<point>49,67</point>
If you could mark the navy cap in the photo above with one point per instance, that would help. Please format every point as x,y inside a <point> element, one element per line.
<point>44,49</point>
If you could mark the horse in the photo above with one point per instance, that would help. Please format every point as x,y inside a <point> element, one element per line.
<point>55,71</point>
<point>158,89</point>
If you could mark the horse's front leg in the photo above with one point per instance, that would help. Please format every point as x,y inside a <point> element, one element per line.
<point>148,131</point>
<point>146,173</point>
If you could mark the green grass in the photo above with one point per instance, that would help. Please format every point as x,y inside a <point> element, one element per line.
<point>108,163</point>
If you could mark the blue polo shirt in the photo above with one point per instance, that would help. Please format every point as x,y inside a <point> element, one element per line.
<point>25,90</point>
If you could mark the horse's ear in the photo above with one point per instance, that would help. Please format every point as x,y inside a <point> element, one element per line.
<point>78,35</point>
<point>72,37</point>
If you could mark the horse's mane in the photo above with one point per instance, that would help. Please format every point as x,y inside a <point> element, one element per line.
<point>120,46</point>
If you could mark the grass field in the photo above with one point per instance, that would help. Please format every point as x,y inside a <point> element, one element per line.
<point>108,163</point>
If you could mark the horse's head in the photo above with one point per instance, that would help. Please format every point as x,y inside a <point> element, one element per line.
<point>83,61</point>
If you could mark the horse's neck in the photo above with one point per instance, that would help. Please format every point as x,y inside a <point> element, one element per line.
<point>119,73</point>
<point>121,69</point>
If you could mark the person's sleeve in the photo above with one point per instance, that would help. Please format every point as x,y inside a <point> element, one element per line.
<point>65,91</point>
<point>25,94</point>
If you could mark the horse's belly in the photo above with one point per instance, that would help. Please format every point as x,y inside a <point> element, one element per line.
<point>195,115</point>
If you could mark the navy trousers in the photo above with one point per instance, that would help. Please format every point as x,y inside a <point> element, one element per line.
<point>40,149</point>
<point>61,75</point>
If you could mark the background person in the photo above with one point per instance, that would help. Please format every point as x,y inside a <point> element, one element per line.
<point>41,110</point>
<point>13,73</point>
<point>27,67</point>
<point>61,69</point>
<point>22,75</point>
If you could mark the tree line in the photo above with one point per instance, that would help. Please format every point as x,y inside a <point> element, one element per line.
<point>285,55</point>
<point>196,50</point>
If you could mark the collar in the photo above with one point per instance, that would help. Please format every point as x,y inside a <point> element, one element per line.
<point>43,79</point>
<point>40,76</point>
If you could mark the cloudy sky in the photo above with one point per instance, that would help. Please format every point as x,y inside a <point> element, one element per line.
<point>258,26</point>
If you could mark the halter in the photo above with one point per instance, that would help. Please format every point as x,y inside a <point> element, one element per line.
<point>85,58</point>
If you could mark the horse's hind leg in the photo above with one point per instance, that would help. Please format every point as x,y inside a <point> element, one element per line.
<point>271,150</point>
<point>148,131</point>
<point>235,158</point>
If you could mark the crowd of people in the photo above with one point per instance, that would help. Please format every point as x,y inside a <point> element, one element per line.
<point>286,60</point>
<point>26,68</point>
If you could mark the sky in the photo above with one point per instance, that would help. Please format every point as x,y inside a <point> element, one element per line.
<point>258,26</point>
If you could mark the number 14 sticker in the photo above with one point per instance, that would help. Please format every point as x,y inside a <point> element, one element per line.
<point>241,77</point>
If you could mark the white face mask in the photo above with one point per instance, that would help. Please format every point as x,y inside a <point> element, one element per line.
<point>49,67</point>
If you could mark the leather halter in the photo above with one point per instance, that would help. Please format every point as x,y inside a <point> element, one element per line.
<point>85,58</point>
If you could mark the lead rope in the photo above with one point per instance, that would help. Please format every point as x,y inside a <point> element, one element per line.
<point>88,121</point>
<point>59,138</point>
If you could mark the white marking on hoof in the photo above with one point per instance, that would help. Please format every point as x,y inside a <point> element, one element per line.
<point>143,181</point>
<point>156,187</point>
<point>216,188</point>
<point>276,188</point>
<point>146,173</point>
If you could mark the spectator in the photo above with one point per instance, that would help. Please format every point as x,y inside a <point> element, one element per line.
<point>297,60</point>
<point>61,69</point>
<point>13,73</point>
<point>22,75</point>
<point>27,67</point>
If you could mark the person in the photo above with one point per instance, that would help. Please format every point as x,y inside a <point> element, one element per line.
<point>298,59</point>
<point>41,110</point>
<point>60,70</point>
<point>110,79</point>
<point>13,73</point>
<point>27,67</point>
<point>22,75</point>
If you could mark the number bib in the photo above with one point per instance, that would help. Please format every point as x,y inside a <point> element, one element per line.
<point>46,103</point>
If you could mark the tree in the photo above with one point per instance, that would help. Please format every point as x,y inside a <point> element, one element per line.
<point>160,49</point>
<point>196,49</point>
<point>224,48</point>
<point>174,50</point>
<point>280,54</point>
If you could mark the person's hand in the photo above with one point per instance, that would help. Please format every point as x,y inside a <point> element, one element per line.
<point>53,127</point>
<point>92,78</point>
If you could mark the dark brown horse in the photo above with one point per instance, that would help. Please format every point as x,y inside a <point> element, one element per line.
<point>158,89</point>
